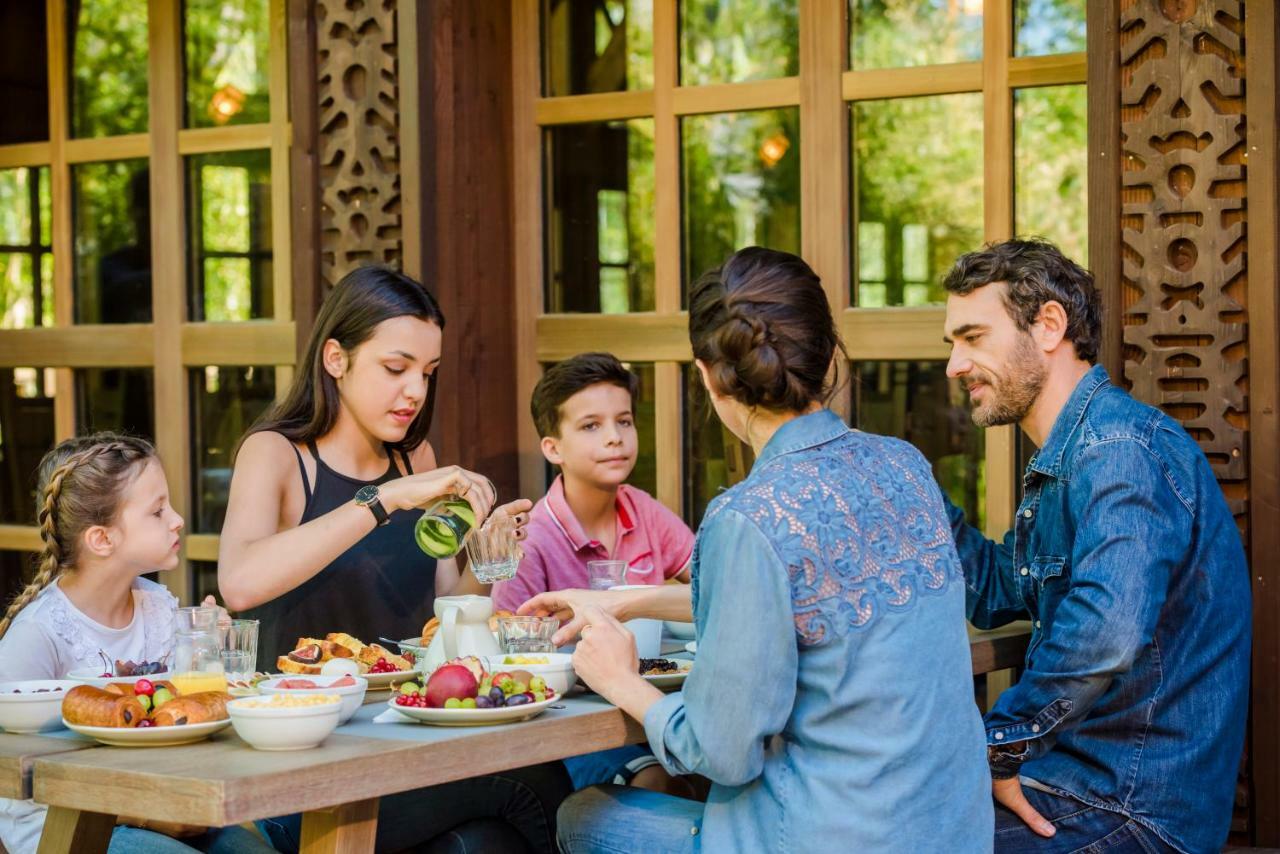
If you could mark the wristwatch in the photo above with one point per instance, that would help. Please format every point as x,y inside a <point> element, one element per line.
<point>367,496</point>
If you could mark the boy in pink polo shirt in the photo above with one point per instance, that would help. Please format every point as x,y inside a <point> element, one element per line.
<point>583,410</point>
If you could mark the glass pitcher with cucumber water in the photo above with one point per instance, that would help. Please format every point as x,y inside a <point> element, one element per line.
<point>443,528</point>
<point>448,526</point>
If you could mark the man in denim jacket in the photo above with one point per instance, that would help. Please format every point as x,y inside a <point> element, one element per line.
<point>1125,730</point>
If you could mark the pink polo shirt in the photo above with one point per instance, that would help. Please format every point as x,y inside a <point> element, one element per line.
<point>655,543</point>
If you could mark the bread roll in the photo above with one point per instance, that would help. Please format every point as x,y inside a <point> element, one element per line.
<point>192,709</point>
<point>89,706</point>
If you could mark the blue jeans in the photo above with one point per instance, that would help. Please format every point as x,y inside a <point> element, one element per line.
<point>218,840</point>
<point>1082,829</point>
<point>512,811</point>
<point>624,819</point>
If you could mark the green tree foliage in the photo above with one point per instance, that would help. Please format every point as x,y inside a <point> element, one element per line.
<point>730,41</point>
<point>109,67</point>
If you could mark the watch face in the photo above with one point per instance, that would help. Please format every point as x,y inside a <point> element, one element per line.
<point>366,494</point>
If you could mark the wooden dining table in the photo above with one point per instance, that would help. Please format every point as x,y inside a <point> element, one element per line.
<point>222,781</point>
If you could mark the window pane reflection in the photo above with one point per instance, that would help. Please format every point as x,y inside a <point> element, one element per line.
<point>230,220</point>
<point>741,176</point>
<point>597,46</point>
<point>600,218</point>
<point>226,401</point>
<point>111,218</point>
<point>1048,26</point>
<point>226,62</point>
<point>108,67</point>
<point>118,399</point>
<point>731,41</point>
<point>897,33</point>
<point>26,434</point>
<point>714,459</point>
<point>917,166</point>
<point>1051,178</point>
<point>26,261</point>
<point>916,401</point>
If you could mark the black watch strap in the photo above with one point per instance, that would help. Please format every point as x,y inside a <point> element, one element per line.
<point>367,496</point>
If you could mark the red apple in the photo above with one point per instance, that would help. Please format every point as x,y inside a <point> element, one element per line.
<point>448,682</point>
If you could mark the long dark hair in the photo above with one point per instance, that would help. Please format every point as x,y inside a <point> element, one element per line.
<point>762,325</point>
<point>364,298</point>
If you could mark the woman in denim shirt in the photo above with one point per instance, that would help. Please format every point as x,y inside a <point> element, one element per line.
<point>831,703</point>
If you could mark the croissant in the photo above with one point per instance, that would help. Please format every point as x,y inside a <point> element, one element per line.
<point>429,630</point>
<point>89,706</point>
<point>192,709</point>
<point>126,689</point>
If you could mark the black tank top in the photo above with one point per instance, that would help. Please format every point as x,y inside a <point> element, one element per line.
<point>383,586</point>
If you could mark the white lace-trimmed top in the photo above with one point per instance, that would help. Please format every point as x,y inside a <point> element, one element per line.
<point>52,637</point>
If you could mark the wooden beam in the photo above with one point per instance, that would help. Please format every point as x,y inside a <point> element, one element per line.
<point>1262,40</point>
<point>113,345</point>
<point>202,547</point>
<point>602,107</point>
<point>280,133</point>
<point>877,84</point>
<point>303,185</point>
<point>1103,94</point>
<point>229,138</point>
<point>894,333</point>
<point>255,342</point>
<point>25,154</point>
<point>123,147</point>
<point>24,538</point>
<point>168,263</point>
<point>734,97</point>
<point>64,401</point>
<point>1056,70</point>
<point>636,337</point>
<point>527,215</point>
<point>409,72</point>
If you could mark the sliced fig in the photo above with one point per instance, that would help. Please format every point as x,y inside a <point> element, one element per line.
<point>309,654</point>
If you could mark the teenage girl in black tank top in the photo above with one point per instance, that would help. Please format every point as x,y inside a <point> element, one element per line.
<point>303,556</point>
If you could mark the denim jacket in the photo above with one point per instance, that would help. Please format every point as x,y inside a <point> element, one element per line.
<point>831,703</point>
<point>1126,559</point>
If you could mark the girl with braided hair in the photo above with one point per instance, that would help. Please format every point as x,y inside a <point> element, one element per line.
<point>105,521</point>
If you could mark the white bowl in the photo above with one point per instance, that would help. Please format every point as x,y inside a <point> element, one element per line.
<point>558,672</point>
<point>682,631</point>
<point>295,728</point>
<point>29,711</point>
<point>91,677</point>
<point>352,695</point>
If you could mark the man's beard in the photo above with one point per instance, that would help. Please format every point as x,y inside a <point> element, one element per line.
<point>1010,398</point>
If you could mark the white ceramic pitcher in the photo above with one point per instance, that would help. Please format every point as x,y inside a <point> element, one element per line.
<point>464,630</point>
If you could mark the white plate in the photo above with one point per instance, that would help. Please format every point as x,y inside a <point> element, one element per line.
<point>691,647</point>
<point>671,680</point>
<point>474,717</point>
<point>152,736</point>
<point>384,680</point>
<point>91,677</point>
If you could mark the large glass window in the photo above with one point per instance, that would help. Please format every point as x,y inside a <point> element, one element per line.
<point>111,212</point>
<point>108,56</point>
<point>597,46</point>
<point>1048,26</point>
<point>733,41</point>
<point>1052,168</point>
<point>26,259</point>
<point>917,173</point>
<point>116,399</point>
<point>600,218</point>
<point>26,433</point>
<point>226,62</point>
<point>741,185</point>
<point>895,33</point>
<point>225,402</point>
<point>230,221</point>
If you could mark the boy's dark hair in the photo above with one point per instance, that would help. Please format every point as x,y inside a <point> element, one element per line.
<point>565,379</point>
<point>1036,272</point>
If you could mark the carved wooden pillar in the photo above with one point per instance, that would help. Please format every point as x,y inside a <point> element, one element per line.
<point>1189,275</point>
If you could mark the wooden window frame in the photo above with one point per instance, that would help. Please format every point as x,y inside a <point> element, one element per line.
<point>822,91</point>
<point>170,345</point>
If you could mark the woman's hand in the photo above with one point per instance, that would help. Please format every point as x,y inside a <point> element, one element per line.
<point>419,490</point>
<point>606,660</point>
<point>568,607</point>
<point>518,510</point>
<point>224,619</point>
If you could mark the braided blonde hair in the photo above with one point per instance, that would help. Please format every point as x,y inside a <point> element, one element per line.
<point>80,485</point>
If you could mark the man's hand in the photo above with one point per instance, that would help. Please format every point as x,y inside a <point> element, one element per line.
<point>568,605</point>
<point>1009,793</point>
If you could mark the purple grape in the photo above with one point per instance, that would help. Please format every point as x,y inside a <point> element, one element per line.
<point>496,695</point>
<point>483,702</point>
<point>519,699</point>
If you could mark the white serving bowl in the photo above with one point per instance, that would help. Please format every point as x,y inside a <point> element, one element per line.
<point>352,695</point>
<point>558,672</point>
<point>29,711</point>
<point>90,677</point>
<point>679,630</point>
<point>289,728</point>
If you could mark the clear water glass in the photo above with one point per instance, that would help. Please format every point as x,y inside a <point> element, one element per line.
<point>239,647</point>
<point>603,574</point>
<point>526,635</point>
<point>493,552</point>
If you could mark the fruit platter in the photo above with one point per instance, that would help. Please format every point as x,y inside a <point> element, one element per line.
<point>144,713</point>
<point>113,671</point>
<point>461,692</point>
<point>341,654</point>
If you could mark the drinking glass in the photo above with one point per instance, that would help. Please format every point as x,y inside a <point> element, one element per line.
<point>197,659</point>
<point>527,635</point>
<point>492,549</point>
<point>603,574</point>
<point>239,648</point>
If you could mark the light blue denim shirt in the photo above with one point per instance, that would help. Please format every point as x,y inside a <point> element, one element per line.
<point>831,703</point>
<point>1125,557</point>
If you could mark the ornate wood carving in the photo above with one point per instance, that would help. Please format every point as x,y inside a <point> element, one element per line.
<point>359,135</point>
<point>1184,268</point>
